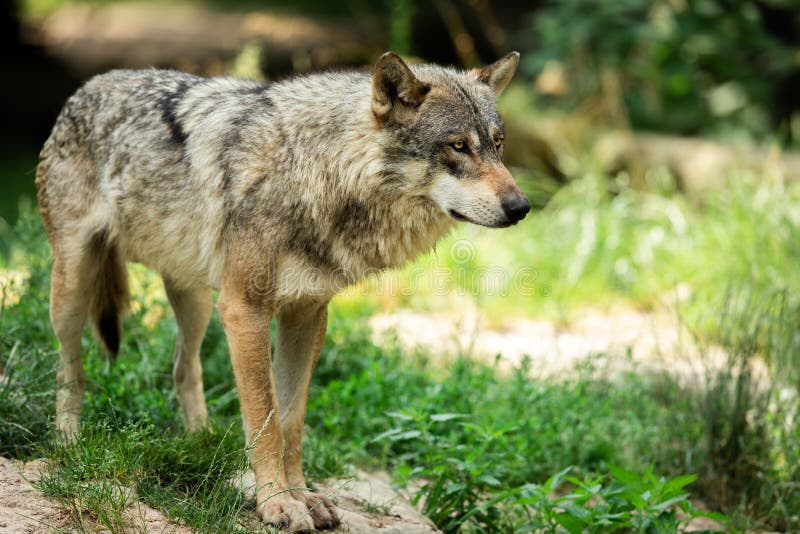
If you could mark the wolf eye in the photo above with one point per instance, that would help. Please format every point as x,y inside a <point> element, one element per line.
<point>459,146</point>
<point>498,142</point>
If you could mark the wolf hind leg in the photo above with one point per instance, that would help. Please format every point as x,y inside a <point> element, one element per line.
<point>88,280</point>
<point>69,304</point>
<point>192,312</point>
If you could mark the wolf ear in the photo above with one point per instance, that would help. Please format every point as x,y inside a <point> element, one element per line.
<point>395,89</point>
<point>498,74</point>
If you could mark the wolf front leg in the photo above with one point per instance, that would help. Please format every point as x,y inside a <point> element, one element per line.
<point>301,333</point>
<point>246,325</point>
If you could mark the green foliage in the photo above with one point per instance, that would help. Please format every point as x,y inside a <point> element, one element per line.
<point>17,172</point>
<point>465,482</point>
<point>622,501</point>
<point>27,350</point>
<point>400,18</point>
<point>476,444</point>
<point>26,395</point>
<point>748,414</point>
<point>669,64</point>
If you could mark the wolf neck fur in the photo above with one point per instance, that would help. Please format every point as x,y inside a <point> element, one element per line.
<point>371,213</point>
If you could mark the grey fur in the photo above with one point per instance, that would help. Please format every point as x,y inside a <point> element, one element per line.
<point>295,189</point>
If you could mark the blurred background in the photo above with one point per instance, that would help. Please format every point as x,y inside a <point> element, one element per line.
<point>659,142</point>
<point>591,72</point>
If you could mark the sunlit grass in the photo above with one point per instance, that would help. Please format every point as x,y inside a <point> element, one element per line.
<point>377,407</point>
<point>590,247</point>
<point>526,429</point>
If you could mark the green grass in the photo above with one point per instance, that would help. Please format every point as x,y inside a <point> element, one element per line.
<point>17,172</point>
<point>183,474</point>
<point>488,450</point>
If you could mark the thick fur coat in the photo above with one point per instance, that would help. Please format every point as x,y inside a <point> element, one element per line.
<point>278,195</point>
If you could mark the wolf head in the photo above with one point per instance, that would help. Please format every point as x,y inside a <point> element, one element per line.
<point>447,136</point>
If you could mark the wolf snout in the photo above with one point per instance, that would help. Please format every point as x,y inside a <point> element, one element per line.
<point>516,207</point>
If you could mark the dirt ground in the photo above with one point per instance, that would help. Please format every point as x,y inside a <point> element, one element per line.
<point>23,509</point>
<point>367,504</point>
<point>628,339</point>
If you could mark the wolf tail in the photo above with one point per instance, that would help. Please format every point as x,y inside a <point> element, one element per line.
<point>109,299</point>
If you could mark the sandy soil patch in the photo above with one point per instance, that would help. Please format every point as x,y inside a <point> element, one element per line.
<point>367,504</point>
<point>627,338</point>
<point>22,508</point>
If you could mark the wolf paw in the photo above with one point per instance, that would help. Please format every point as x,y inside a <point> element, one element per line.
<point>322,510</point>
<point>287,513</point>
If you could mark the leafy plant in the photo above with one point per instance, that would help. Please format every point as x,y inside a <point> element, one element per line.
<point>462,484</point>
<point>620,501</point>
<point>667,65</point>
<point>457,470</point>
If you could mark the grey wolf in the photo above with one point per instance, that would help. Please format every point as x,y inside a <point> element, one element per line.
<point>277,195</point>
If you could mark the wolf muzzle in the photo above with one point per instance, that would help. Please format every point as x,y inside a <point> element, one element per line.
<point>516,207</point>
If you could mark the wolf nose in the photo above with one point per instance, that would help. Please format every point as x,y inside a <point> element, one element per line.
<point>516,207</point>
